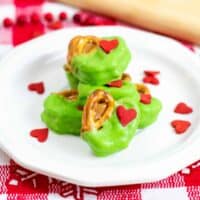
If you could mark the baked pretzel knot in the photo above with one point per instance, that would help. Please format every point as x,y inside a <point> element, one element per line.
<point>98,108</point>
<point>80,45</point>
<point>142,89</point>
<point>69,94</point>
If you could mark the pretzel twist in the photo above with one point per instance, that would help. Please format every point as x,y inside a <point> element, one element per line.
<point>98,108</point>
<point>80,45</point>
<point>69,94</point>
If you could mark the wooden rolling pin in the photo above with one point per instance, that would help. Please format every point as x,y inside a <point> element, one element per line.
<point>176,18</point>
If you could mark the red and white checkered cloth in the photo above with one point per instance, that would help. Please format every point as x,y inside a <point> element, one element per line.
<point>17,183</point>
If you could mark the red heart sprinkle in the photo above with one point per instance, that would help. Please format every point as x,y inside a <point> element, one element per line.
<point>180,126</point>
<point>108,45</point>
<point>147,79</point>
<point>125,115</point>
<point>117,83</point>
<point>151,73</point>
<point>37,87</point>
<point>55,25</point>
<point>151,79</point>
<point>155,81</point>
<point>40,134</point>
<point>183,108</point>
<point>145,98</point>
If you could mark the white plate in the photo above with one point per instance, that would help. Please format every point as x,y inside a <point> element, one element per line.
<point>154,153</point>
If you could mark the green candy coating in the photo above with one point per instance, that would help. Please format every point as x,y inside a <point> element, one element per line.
<point>149,112</point>
<point>113,137</point>
<point>61,115</point>
<point>90,72</point>
<point>98,67</point>
<point>73,81</point>
<point>128,89</point>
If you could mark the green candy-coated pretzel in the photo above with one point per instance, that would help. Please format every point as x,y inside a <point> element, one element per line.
<point>149,112</point>
<point>99,67</point>
<point>73,81</point>
<point>128,89</point>
<point>112,136</point>
<point>62,115</point>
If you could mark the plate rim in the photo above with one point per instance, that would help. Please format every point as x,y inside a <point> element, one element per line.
<point>82,180</point>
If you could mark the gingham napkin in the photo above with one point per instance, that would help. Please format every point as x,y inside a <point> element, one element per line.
<point>17,183</point>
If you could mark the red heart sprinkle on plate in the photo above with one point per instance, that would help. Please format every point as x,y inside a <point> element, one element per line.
<point>154,81</point>
<point>151,73</point>
<point>180,126</point>
<point>183,108</point>
<point>145,98</point>
<point>151,79</point>
<point>37,87</point>
<point>108,45</point>
<point>117,83</point>
<point>40,134</point>
<point>125,115</point>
